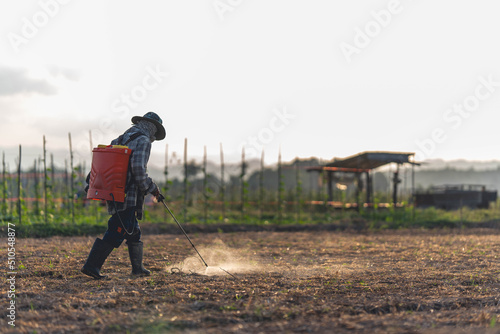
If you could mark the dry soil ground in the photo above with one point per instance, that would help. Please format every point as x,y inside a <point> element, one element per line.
<point>377,282</point>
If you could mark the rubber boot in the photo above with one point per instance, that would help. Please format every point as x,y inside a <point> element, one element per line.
<point>98,254</point>
<point>135,252</point>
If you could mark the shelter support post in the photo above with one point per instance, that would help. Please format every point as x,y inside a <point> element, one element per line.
<point>359,188</point>
<point>369,188</point>
<point>395,181</point>
<point>329,177</point>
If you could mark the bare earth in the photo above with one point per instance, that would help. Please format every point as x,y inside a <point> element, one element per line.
<point>377,282</point>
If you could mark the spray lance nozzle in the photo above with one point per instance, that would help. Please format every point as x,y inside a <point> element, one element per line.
<point>161,198</point>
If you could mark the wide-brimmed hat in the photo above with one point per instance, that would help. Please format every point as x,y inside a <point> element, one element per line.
<point>156,120</point>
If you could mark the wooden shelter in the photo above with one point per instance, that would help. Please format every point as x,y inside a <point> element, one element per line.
<point>362,164</point>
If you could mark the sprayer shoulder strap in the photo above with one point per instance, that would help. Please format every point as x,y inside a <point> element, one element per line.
<point>132,137</point>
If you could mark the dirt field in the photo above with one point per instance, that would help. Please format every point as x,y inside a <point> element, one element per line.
<point>378,282</point>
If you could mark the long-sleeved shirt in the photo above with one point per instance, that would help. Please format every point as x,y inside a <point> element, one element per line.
<point>139,184</point>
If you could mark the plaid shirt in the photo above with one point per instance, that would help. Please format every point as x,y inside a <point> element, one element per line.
<point>139,184</point>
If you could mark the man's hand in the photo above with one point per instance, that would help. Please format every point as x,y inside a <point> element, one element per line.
<point>156,193</point>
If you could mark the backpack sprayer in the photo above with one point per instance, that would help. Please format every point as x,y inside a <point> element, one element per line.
<point>108,175</point>
<point>108,178</point>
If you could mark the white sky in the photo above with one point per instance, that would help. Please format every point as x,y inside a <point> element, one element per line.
<point>233,66</point>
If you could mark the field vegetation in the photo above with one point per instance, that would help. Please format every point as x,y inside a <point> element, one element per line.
<point>390,281</point>
<point>281,259</point>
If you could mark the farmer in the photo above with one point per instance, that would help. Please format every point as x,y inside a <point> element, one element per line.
<point>123,225</point>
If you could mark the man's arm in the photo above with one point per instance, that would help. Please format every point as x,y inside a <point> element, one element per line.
<point>139,162</point>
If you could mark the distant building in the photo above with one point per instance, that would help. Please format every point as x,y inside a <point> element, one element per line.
<point>452,197</point>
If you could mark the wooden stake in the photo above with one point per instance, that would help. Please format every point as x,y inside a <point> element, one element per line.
<point>261,186</point>
<point>280,190</point>
<point>298,188</point>
<point>185,181</point>
<point>4,187</point>
<point>72,201</point>
<point>19,196</point>
<point>90,141</point>
<point>222,184</point>
<point>37,195</point>
<point>44,181</point>
<point>205,183</point>
<point>242,184</point>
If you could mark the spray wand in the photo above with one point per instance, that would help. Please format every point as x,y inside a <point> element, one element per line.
<point>178,224</point>
<point>161,198</point>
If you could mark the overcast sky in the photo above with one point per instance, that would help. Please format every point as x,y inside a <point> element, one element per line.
<point>316,78</point>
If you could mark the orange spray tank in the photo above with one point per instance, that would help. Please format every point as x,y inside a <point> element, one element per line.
<point>108,175</point>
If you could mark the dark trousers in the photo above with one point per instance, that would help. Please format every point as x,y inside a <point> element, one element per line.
<point>117,232</point>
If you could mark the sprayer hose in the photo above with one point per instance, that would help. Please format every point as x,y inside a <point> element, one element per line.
<point>123,225</point>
